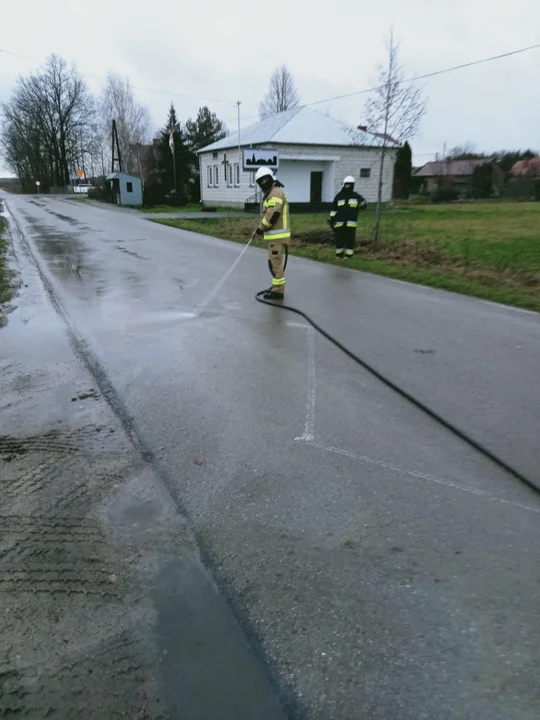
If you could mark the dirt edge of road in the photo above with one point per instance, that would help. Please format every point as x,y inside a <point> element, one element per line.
<point>109,609</point>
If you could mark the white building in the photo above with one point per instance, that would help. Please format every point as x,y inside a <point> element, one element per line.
<point>315,153</point>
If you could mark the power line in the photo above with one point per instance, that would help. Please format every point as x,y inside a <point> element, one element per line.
<point>431,74</point>
<point>416,78</point>
<point>7,52</point>
<point>135,87</point>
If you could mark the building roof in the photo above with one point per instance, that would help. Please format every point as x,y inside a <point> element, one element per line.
<point>439,168</point>
<point>300,126</point>
<point>526,167</point>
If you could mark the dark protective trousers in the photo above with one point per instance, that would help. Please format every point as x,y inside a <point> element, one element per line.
<point>345,239</point>
<point>277,252</point>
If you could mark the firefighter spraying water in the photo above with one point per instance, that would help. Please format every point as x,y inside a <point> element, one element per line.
<point>275,228</point>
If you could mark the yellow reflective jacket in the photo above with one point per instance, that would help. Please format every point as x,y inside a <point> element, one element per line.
<point>275,219</point>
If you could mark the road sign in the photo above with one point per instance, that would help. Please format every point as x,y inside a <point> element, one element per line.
<point>254,159</point>
<point>74,175</point>
<point>38,183</point>
<point>80,174</point>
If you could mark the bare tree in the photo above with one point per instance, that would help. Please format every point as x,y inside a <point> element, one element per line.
<point>393,112</point>
<point>46,122</point>
<point>118,103</point>
<point>282,94</point>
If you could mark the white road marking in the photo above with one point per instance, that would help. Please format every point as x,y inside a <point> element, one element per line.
<point>414,474</point>
<point>297,325</point>
<point>309,428</point>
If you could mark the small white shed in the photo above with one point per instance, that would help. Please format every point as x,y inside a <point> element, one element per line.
<point>126,189</point>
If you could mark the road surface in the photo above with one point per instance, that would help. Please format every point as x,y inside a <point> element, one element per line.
<point>384,568</point>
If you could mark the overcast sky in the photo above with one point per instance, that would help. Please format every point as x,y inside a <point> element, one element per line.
<point>216,52</point>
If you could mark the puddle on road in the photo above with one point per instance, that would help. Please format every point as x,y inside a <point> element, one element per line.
<point>67,256</point>
<point>81,263</point>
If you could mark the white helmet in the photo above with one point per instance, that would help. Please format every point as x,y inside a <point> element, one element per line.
<point>349,180</point>
<point>263,172</point>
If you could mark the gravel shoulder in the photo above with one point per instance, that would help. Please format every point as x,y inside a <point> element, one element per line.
<point>107,610</point>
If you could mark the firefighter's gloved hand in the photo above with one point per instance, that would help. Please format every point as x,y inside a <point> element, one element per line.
<point>259,231</point>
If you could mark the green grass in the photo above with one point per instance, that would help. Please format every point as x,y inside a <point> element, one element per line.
<point>489,250</point>
<point>192,208</point>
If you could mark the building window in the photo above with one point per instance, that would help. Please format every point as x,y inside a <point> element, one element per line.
<point>251,179</point>
<point>129,187</point>
<point>216,175</point>
<point>229,175</point>
<point>209,177</point>
<point>365,172</point>
<point>237,175</point>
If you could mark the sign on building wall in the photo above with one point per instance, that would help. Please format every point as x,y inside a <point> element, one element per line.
<point>255,159</point>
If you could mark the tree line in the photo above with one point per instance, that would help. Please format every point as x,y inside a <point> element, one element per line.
<point>52,125</point>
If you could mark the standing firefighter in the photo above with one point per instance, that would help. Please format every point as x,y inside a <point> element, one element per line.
<point>275,228</point>
<point>344,217</point>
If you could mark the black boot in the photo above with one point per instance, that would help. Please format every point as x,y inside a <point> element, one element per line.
<point>270,294</point>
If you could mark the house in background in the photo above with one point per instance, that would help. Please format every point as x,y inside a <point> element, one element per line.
<point>456,176</point>
<point>315,153</point>
<point>525,179</point>
<point>526,168</point>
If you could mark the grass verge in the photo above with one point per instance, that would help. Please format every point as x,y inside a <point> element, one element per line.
<point>487,250</point>
<point>186,209</point>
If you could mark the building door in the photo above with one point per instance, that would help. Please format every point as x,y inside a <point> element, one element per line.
<point>315,191</point>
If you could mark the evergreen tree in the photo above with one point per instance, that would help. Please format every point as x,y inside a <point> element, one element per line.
<point>482,181</point>
<point>179,160</point>
<point>206,129</point>
<point>403,172</point>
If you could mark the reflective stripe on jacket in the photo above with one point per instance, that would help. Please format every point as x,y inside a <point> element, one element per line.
<point>275,218</point>
<point>345,208</point>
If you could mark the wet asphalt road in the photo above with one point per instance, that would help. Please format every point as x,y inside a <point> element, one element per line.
<point>387,570</point>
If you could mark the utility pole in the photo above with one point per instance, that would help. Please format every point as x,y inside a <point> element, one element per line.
<point>239,148</point>
<point>118,158</point>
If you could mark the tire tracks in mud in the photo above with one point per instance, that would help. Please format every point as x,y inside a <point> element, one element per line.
<point>76,636</point>
<point>71,588</point>
<point>58,569</point>
<point>62,577</point>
